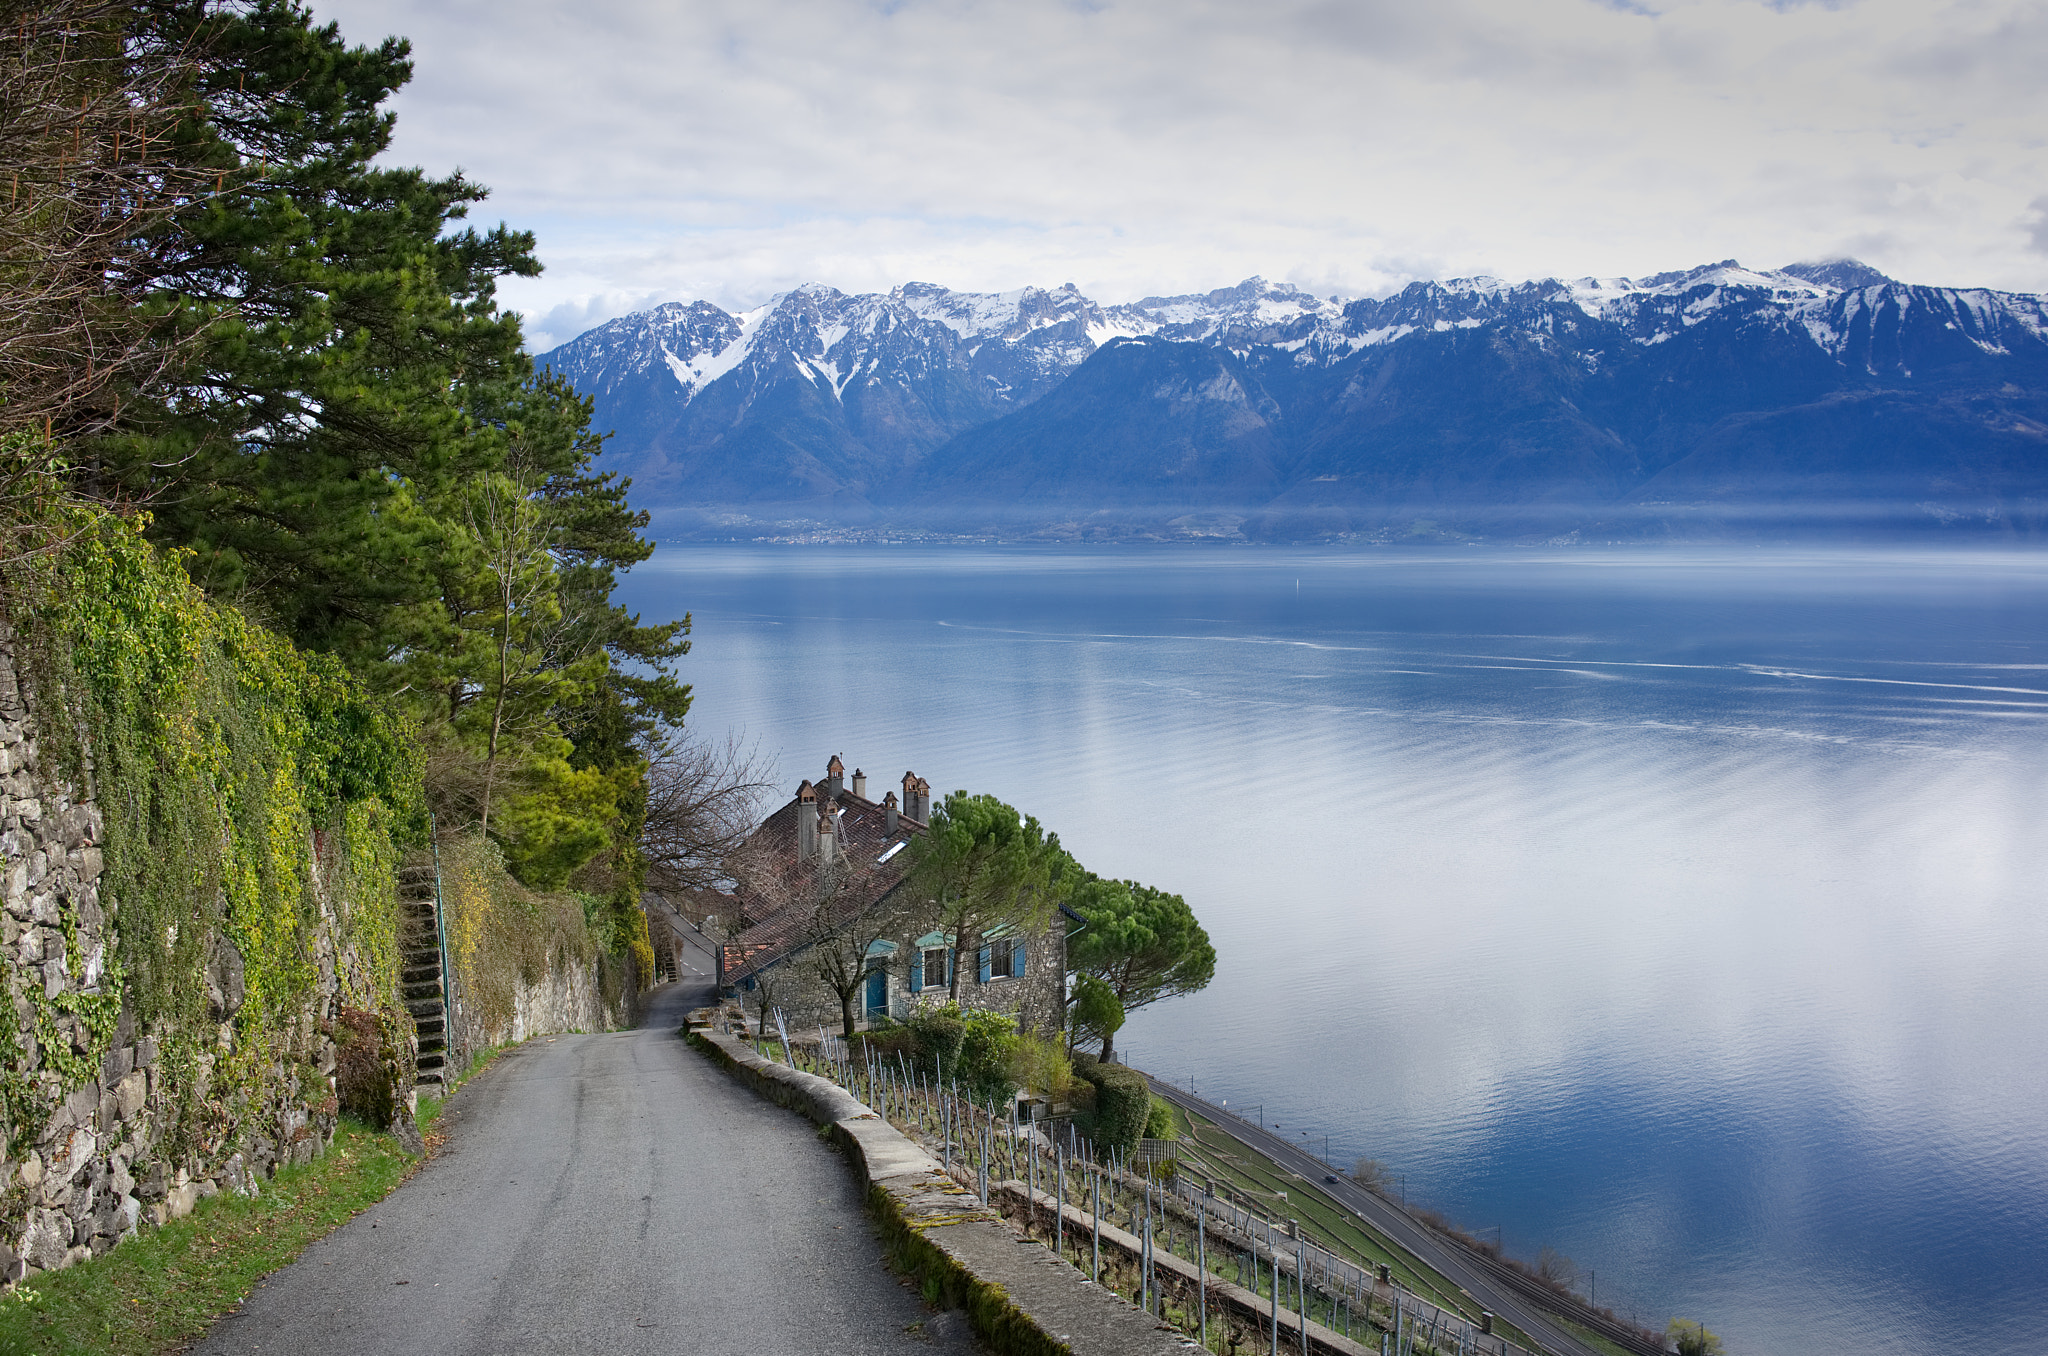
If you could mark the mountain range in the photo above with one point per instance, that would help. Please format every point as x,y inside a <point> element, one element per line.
<point>1815,397</point>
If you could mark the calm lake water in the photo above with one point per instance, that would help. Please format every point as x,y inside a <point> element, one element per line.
<point>1681,910</point>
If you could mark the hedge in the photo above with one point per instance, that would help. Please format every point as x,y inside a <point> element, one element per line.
<point>1123,1101</point>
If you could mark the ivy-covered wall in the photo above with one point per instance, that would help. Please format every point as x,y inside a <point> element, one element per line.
<point>525,961</point>
<point>200,828</point>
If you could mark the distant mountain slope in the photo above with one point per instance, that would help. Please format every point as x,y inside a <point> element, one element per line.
<point>1524,407</point>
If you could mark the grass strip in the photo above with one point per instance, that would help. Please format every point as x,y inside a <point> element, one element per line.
<point>1329,1222</point>
<point>1591,1338</point>
<point>166,1287</point>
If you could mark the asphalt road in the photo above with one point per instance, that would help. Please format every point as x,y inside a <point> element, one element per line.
<point>1443,1257</point>
<point>612,1193</point>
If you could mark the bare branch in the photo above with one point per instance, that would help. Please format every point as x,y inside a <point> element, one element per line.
<point>702,801</point>
<point>90,97</point>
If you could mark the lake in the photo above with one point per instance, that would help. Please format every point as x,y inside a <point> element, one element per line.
<point>1677,909</point>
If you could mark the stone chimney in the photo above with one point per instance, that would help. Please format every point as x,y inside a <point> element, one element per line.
<point>889,813</point>
<point>910,794</point>
<point>924,800</point>
<point>860,783</point>
<point>835,778</point>
<point>806,822</point>
<point>828,836</point>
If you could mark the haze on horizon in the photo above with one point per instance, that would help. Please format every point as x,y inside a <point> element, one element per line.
<point>731,149</point>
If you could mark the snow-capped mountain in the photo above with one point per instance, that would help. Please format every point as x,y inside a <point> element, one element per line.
<point>1262,396</point>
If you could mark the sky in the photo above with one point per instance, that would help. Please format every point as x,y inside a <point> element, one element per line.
<point>727,150</point>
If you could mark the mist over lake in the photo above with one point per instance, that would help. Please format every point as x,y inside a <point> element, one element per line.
<point>1678,909</point>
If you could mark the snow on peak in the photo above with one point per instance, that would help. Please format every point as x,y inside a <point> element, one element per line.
<point>838,338</point>
<point>1482,285</point>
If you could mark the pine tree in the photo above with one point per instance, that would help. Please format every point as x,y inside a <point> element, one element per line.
<point>353,445</point>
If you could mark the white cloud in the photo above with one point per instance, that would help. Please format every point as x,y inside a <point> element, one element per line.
<point>731,148</point>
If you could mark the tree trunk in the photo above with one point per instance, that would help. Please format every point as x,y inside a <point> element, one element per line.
<point>1109,1048</point>
<point>497,714</point>
<point>846,1010</point>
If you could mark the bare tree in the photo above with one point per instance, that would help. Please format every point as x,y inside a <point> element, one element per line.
<point>702,799</point>
<point>1371,1174</point>
<point>841,935</point>
<point>1556,1268</point>
<point>91,96</point>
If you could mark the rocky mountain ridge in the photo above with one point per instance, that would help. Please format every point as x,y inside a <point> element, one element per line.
<point>1501,406</point>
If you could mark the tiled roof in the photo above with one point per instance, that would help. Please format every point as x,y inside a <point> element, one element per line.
<point>777,895</point>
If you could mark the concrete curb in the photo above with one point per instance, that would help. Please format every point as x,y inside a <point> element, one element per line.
<point>1022,1300</point>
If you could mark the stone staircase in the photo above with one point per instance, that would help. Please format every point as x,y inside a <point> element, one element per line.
<point>419,972</point>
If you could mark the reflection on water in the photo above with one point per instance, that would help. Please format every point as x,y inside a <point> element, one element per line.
<point>1678,910</point>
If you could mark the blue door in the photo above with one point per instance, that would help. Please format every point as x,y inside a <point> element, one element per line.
<point>878,994</point>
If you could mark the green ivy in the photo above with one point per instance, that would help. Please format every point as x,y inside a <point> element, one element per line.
<point>215,750</point>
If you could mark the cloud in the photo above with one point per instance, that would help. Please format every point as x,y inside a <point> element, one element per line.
<point>729,148</point>
<point>2037,229</point>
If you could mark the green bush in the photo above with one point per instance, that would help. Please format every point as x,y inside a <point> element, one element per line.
<point>1160,1122</point>
<point>986,1051</point>
<point>1123,1104</point>
<point>940,1033</point>
<point>1692,1338</point>
<point>1041,1065</point>
<point>981,1050</point>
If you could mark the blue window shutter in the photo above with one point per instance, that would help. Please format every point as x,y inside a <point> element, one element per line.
<point>984,964</point>
<point>949,967</point>
<point>916,970</point>
<point>1017,959</point>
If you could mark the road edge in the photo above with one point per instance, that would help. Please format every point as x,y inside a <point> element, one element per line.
<point>958,1252</point>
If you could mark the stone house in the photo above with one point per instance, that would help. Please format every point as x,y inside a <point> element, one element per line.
<point>822,887</point>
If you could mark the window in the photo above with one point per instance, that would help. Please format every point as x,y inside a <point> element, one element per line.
<point>1000,963</point>
<point>933,968</point>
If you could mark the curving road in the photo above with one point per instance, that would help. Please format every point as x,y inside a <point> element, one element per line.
<point>613,1193</point>
<point>1447,1260</point>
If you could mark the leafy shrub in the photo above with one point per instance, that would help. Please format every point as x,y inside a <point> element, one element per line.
<point>931,1042</point>
<point>1041,1065</point>
<point>987,1047</point>
<point>372,1066</point>
<point>1160,1122</point>
<point>1692,1338</point>
<point>940,1033</point>
<point>1123,1104</point>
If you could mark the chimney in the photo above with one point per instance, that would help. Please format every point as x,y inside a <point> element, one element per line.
<point>806,822</point>
<point>835,778</point>
<point>828,839</point>
<point>910,794</point>
<point>924,800</point>
<point>860,783</point>
<point>889,813</point>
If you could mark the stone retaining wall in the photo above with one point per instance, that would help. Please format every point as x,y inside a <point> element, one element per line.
<point>94,1170</point>
<point>567,998</point>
